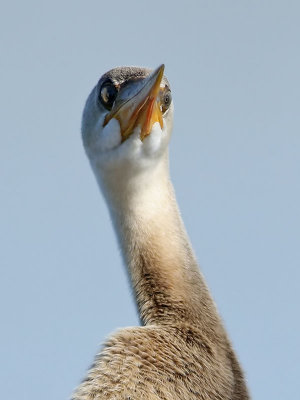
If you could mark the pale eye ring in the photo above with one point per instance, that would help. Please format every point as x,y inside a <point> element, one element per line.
<point>166,100</point>
<point>107,95</point>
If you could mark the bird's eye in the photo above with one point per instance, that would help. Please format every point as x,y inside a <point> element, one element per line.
<point>108,94</point>
<point>166,100</point>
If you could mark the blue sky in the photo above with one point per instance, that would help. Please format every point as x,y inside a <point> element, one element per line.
<point>234,71</point>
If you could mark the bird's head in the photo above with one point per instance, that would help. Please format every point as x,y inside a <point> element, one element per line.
<point>127,121</point>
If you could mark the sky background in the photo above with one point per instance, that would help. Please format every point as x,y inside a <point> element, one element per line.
<point>235,164</point>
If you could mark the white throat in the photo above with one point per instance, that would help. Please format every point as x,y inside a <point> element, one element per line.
<point>136,194</point>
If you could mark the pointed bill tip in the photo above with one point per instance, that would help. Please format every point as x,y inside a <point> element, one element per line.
<point>159,71</point>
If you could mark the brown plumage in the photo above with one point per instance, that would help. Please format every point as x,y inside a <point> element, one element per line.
<point>182,350</point>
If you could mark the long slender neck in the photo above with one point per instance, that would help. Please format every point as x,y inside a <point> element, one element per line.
<point>164,273</point>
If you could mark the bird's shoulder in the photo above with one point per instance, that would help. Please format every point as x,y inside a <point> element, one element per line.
<point>155,362</point>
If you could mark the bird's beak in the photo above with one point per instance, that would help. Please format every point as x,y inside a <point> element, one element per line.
<point>138,104</point>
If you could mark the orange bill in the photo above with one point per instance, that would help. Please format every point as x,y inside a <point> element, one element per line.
<point>138,105</point>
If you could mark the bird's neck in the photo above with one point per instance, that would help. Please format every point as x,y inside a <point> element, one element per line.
<point>164,273</point>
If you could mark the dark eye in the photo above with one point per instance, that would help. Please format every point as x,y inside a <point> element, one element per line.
<point>108,94</point>
<point>166,100</point>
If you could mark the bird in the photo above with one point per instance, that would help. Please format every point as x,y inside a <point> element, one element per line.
<point>181,349</point>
